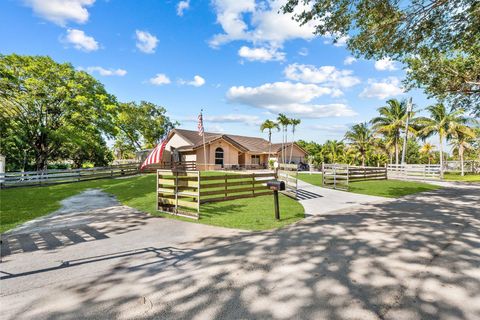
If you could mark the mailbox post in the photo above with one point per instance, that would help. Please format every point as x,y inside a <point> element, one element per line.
<point>276,186</point>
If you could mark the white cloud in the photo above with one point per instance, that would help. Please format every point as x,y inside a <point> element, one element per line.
<point>261,54</point>
<point>146,42</point>
<point>303,52</point>
<point>182,6</point>
<point>262,26</point>
<point>385,64</point>
<point>197,81</point>
<point>61,11</point>
<point>335,39</point>
<point>328,75</point>
<point>234,118</point>
<point>228,118</point>
<point>80,40</point>
<point>382,89</point>
<point>160,79</point>
<point>349,60</point>
<point>290,98</point>
<point>332,128</point>
<point>106,72</point>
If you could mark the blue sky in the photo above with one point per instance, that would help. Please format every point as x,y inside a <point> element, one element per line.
<point>239,60</point>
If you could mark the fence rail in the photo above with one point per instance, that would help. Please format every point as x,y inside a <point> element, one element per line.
<point>414,171</point>
<point>182,192</point>
<point>338,176</point>
<point>46,177</point>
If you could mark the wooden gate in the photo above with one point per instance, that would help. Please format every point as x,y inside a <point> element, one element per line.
<point>288,173</point>
<point>335,176</point>
<point>178,192</point>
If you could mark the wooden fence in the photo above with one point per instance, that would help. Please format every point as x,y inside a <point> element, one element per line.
<point>182,192</point>
<point>178,192</point>
<point>48,177</point>
<point>414,171</point>
<point>338,176</point>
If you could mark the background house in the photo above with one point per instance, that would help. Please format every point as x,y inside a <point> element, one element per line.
<point>225,151</point>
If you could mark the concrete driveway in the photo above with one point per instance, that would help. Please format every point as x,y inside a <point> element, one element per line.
<point>414,258</point>
<point>318,201</point>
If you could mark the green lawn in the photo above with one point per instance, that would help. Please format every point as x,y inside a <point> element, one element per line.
<point>18,205</point>
<point>381,188</point>
<point>468,177</point>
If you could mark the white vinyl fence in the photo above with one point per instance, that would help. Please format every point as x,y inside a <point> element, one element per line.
<point>414,171</point>
<point>32,178</point>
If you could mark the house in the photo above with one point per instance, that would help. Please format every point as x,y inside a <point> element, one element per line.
<point>224,151</point>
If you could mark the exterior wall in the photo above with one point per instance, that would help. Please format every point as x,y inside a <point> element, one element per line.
<point>176,142</point>
<point>298,155</point>
<point>230,156</point>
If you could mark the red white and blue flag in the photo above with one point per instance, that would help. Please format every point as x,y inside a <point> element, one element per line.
<point>156,155</point>
<point>200,124</point>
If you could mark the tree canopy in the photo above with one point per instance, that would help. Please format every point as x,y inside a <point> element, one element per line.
<point>438,40</point>
<point>51,112</point>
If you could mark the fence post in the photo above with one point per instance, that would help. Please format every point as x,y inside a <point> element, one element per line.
<point>226,181</point>
<point>175,173</point>
<point>253,183</point>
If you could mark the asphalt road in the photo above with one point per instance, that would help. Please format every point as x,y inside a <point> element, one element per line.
<point>413,258</point>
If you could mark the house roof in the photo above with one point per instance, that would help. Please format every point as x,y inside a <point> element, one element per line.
<point>244,143</point>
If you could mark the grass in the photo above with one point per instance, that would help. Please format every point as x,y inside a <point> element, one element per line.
<point>468,177</point>
<point>381,188</point>
<point>18,205</point>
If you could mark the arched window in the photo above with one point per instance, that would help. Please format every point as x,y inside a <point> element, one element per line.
<point>219,156</point>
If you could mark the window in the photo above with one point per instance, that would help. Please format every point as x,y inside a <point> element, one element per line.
<point>219,156</point>
<point>255,159</point>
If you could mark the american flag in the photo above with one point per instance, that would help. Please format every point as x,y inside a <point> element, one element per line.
<point>156,155</point>
<point>200,124</point>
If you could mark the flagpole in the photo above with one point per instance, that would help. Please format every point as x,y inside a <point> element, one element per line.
<point>204,146</point>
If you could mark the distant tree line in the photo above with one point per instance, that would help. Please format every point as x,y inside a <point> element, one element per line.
<point>380,141</point>
<point>51,112</point>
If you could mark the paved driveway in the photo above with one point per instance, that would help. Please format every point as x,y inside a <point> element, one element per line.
<point>413,258</point>
<point>318,201</point>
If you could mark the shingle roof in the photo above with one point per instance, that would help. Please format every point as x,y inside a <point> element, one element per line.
<point>251,144</point>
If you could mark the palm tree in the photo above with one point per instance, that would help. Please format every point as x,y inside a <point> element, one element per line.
<point>391,122</point>
<point>361,138</point>
<point>443,123</point>
<point>284,121</point>
<point>427,149</point>
<point>332,150</point>
<point>269,125</point>
<point>461,139</point>
<point>294,123</point>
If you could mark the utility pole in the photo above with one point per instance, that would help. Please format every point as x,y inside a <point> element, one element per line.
<point>409,110</point>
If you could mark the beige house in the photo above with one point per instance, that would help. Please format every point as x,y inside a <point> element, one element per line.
<point>225,151</point>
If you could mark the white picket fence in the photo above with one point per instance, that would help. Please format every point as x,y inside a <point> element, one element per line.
<point>414,171</point>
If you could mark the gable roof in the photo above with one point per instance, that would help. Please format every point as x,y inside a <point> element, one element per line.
<point>244,143</point>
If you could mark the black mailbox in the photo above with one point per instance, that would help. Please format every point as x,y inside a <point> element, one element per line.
<point>276,185</point>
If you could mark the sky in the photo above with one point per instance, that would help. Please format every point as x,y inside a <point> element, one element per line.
<point>241,61</point>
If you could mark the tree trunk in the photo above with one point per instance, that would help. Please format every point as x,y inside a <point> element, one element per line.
<point>460,153</point>
<point>441,155</point>
<point>396,152</point>
<point>291,146</point>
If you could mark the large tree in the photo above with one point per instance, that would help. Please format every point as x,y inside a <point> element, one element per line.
<point>46,106</point>
<point>361,139</point>
<point>391,122</point>
<point>269,125</point>
<point>445,124</point>
<point>438,40</point>
<point>141,125</point>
